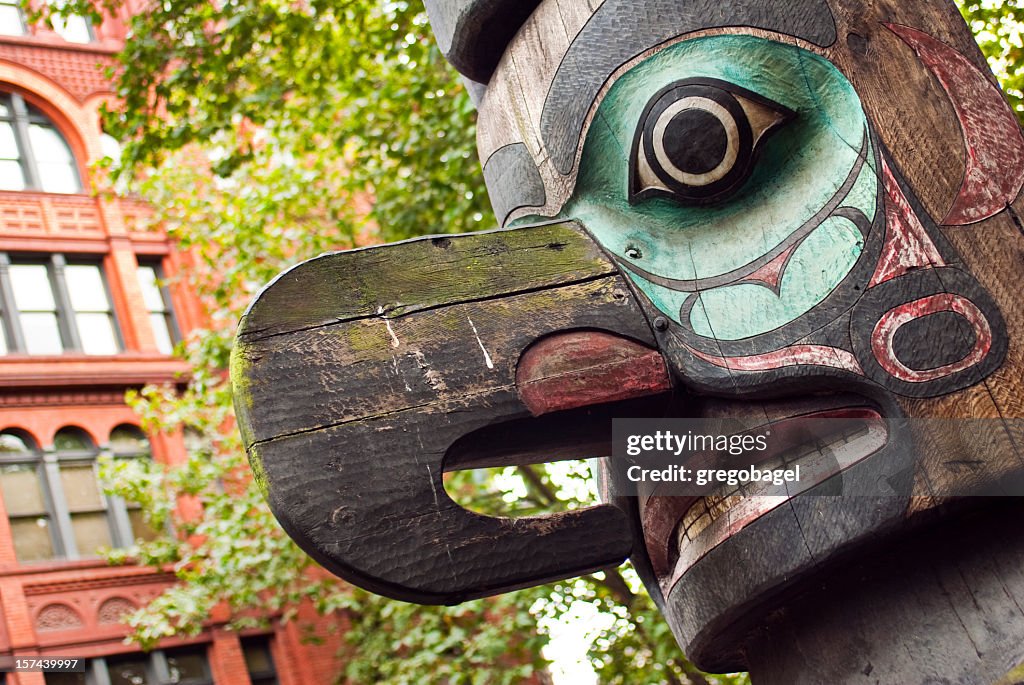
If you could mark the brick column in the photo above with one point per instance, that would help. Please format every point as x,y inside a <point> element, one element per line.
<point>26,678</point>
<point>227,662</point>
<point>122,270</point>
<point>16,613</point>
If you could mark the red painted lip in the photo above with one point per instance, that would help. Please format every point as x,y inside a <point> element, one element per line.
<point>584,368</point>
<point>667,519</point>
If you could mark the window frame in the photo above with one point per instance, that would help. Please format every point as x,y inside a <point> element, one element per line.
<point>56,264</point>
<point>36,458</point>
<point>21,117</point>
<point>90,30</point>
<point>168,313</point>
<point>48,462</point>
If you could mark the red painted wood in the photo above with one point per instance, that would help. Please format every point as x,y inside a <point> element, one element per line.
<point>892,321</point>
<point>584,368</point>
<point>907,245</point>
<point>796,355</point>
<point>992,135</point>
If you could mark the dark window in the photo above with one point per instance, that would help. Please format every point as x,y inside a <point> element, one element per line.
<point>158,304</point>
<point>131,670</point>
<point>33,153</point>
<point>258,661</point>
<point>184,666</point>
<point>53,305</point>
<point>187,666</point>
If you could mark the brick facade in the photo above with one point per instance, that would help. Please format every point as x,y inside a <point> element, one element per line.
<point>70,607</point>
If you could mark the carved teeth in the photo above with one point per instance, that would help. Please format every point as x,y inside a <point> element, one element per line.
<point>729,508</point>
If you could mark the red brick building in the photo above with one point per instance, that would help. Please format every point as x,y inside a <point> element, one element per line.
<point>84,316</point>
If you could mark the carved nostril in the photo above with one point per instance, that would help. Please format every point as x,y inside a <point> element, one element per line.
<point>634,252</point>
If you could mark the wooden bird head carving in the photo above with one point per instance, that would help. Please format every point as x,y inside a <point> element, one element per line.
<point>730,209</point>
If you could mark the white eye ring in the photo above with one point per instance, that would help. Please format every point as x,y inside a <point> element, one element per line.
<point>732,150</point>
<point>698,140</point>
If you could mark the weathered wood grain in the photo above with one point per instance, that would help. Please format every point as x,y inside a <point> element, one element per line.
<point>357,373</point>
<point>939,606</point>
<point>419,274</point>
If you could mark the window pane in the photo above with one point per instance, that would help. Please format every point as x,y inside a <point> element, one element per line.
<point>57,172</point>
<point>55,177</point>
<point>32,538</point>
<point>11,176</point>
<point>10,21</point>
<point>65,679</point>
<point>13,444</point>
<point>111,148</point>
<point>129,440</point>
<point>8,144</point>
<point>151,294</point>
<point>141,530</point>
<point>81,489</point>
<point>257,657</point>
<point>32,290</point>
<point>96,332</point>
<point>186,665</point>
<point>162,333</point>
<point>128,672</point>
<point>74,29</point>
<point>3,337</point>
<point>85,287</point>
<point>47,144</point>
<point>71,439</point>
<point>91,532</point>
<point>42,335</point>
<point>22,489</point>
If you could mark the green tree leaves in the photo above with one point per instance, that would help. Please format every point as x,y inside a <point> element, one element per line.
<point>997,25</point>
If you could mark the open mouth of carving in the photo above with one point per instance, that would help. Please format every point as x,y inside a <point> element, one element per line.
<point>572,375</point>
<point>680,530</point>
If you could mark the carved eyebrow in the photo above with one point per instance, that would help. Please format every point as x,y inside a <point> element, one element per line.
<point>622,29</point>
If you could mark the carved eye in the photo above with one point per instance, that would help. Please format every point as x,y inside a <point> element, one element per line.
<point>698,139</point>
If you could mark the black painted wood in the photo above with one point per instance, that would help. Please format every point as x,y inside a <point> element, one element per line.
<point>941,606</point>
<point>473,34</point>
<point>357,373</point>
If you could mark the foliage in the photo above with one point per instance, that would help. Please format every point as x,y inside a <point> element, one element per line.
<point>997,25</point>
<point>264,132</point>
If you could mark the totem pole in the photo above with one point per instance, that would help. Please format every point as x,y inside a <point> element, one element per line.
<point>768,211</point>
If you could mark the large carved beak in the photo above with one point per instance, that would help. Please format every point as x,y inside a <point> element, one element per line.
<point>362,376</point>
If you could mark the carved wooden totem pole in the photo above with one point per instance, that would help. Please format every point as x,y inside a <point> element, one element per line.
<point>769,211</point>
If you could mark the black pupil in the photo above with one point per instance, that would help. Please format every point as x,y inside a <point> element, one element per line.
<point>696,141</point>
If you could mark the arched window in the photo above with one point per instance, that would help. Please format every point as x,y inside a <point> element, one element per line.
<point>82,496</point>
<point>129,442</point>
<point>33,153</point>
<point>54,500</point>
<point>23,485</point>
